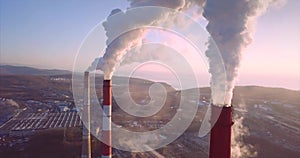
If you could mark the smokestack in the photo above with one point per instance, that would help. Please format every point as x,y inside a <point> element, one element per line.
<point>106,120</point>
<point>86,135</point>
<point>220,136</point>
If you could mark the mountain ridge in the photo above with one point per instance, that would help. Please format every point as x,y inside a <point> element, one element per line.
<point>25,70</point>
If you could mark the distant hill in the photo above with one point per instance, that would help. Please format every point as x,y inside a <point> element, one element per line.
<point>23,70</point>
<point>275,94</point>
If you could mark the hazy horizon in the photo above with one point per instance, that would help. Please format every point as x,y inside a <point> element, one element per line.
<point>202,84</point>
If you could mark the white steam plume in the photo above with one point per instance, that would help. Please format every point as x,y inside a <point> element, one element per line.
<point>118,43</point>
<point>230,25</point>
<point>238,147</point>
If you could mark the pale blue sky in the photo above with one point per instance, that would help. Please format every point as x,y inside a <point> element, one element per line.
<point>48,33</point>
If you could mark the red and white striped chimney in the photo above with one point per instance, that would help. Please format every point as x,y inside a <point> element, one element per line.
<point>106,120</point>
<point>220,135</point>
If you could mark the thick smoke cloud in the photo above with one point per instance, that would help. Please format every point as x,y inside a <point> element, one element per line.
<point>119,43</point>
<point>231,27</point>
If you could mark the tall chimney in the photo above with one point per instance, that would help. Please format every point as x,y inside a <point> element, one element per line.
<point>220,136</point>
<point>86,135</point>
<point>106,119</point>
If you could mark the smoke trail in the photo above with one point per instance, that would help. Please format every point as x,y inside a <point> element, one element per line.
<point>239,132</point>
<point>230,25</point>
<point>117,46</point>
<point>238,147</point>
